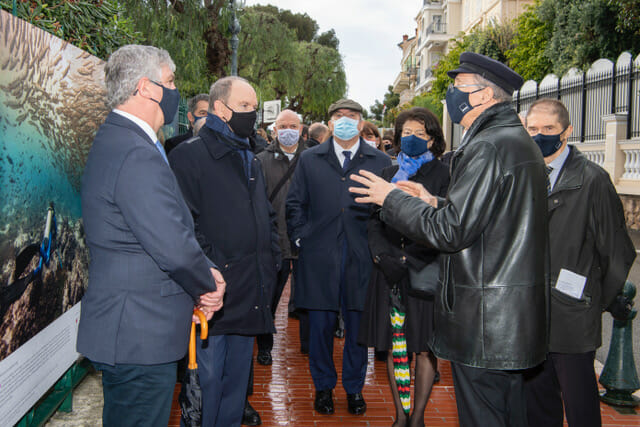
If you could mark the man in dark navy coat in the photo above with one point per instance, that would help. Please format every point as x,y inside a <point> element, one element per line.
<point>147,269</point>
<point>330,230</point>
<point>224,186</point>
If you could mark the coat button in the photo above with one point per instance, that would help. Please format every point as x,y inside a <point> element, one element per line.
<point>342,210</point>
<point>255,308</point>
<point>343,178</point>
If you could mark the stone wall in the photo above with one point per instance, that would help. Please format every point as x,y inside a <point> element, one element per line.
<point>631,205</point>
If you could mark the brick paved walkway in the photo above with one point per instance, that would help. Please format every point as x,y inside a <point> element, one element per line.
<point>284,393</point>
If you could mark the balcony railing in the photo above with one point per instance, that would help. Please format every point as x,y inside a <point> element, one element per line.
<point>436,27</point>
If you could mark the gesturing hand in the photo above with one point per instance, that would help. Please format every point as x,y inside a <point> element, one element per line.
<point>417,190</point>
<point>375,189</point>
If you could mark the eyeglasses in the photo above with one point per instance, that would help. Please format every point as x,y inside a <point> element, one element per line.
<point>451,86</point>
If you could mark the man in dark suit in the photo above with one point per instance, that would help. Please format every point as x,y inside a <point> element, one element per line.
<point>334,262</point>
<point>223,184</point>
<point>590,249</point>
<point>147,270</point>
<point>196,111</point>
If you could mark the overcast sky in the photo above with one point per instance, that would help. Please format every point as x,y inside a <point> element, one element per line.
<point>369,32</point>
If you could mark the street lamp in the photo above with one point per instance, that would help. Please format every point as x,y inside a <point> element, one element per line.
<point>234,28</point>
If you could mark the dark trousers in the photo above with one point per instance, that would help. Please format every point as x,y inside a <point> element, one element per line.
<point>488,397</point>
<point>321,334</point>
<point>265,341</point>
<point>567,378</point>
<point>137,395</point>
<point>223,367</point>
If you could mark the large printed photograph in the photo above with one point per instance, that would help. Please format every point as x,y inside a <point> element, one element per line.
<point>51,104</point>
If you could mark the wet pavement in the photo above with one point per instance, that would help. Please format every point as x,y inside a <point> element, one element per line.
<point>283,392</point>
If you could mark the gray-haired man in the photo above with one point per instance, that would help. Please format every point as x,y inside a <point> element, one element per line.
<point>137,310</point>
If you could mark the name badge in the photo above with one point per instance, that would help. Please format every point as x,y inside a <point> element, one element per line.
<point>570,283</point>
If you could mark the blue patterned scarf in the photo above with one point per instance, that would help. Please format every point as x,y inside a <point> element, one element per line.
<point>409,166</point>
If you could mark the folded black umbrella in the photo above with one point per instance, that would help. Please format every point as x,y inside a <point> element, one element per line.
<point>190,397</point>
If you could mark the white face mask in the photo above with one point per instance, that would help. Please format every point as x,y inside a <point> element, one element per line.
<point>288,137</point>
<point>374,144</point>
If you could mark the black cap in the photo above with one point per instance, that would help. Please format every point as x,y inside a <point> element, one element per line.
<point>492,70</point>
<point>345,103</point>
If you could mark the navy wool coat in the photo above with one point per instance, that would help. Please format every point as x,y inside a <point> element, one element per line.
<point>321,212</point>
<point>235,226</point>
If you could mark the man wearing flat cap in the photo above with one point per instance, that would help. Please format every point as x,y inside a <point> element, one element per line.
<point>490,319</point>
<point>330,231</point>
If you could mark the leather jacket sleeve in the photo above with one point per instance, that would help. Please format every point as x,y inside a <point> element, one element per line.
<point>473,197</point>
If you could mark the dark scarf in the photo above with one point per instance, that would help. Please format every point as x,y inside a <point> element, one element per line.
<point>227,137</point>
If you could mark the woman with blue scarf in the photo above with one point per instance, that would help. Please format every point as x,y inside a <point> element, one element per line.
<point>419,137</point>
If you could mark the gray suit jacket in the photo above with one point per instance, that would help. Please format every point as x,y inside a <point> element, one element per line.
<point>146,268</point>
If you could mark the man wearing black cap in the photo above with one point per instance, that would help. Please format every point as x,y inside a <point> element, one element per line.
<point>330,231</point>
<point>490,320</point>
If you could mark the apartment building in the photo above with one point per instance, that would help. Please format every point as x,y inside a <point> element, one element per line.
<point>437,23</point>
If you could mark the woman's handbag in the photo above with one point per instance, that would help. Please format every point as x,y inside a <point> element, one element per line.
<point>424,283</point>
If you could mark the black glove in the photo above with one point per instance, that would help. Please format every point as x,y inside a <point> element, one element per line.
<point>620,308</point>
<point>392,268</point>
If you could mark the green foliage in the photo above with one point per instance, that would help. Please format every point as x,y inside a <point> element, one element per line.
<point>426,100</point>
<point>97,26</point>
<point>493,41</point>
<point>527,55</point>
<point>450,61</point>
<point>628,16</point>
<point>586,30</point>
<point>376,110</point>
<point>329,39</point>
<point>304,26</point>
<point>306,76</point>
<point>180,29</point>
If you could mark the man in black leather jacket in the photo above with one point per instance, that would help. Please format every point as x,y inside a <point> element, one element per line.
<point>590,257</point>
<point>490,320</point>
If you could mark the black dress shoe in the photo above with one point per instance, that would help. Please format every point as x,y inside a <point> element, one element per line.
<point>356,404</point>
<point>324,402</point>
<point>436,378</point>
<point>264,358</point>
<point>250,417</point>
<point>339,333</point>
<point>304,350</point>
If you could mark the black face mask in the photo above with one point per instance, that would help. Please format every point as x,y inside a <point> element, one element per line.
<point>242,123</point>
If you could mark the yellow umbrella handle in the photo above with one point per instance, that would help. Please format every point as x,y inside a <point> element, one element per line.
<point>204,333</point>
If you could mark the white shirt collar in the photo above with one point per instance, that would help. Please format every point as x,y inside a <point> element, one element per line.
<point>338,150</point>
<point>141,123</point>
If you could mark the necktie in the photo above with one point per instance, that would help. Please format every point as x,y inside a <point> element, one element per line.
<point>161,150</point>
<point>347,160</point>
<point>549,170</point>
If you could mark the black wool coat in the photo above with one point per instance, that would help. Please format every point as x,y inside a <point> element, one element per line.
<point>587,236</point>
<point>236,227</point>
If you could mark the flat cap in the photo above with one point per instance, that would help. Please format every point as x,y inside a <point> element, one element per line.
<point>345,103</point>
<point>492,70</point>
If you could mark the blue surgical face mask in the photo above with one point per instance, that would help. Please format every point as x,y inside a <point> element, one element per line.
<point>413,146</point>
<point>168,103</point>
<point>196,118</point>
<point>548,144</point>
<point>345,128</point>
<point>458,103</point>
<point>288,137</point>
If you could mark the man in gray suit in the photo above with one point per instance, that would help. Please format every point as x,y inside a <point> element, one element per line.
<point>147,270</point>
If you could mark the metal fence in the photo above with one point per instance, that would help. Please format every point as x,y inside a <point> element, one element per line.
<point>606,88</point>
